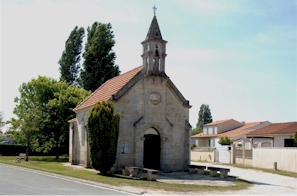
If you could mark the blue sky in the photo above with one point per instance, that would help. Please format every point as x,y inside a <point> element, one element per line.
<point>237,56</point>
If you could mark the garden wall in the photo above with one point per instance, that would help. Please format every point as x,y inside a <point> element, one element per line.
<point>202,156</point>
<point>284,157</point>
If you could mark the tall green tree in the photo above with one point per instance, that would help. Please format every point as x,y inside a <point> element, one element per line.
<point>204,116</point>
<point>43,108</point>
<point>103,126</point>
<point>99,59</point>
<point>70,59</point>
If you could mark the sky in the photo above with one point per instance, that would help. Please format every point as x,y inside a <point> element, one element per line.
<point>239,57</point>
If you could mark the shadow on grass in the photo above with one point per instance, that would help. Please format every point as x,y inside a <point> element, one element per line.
<point>48,159</point>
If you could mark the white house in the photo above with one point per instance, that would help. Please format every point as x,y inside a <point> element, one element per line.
<point>231,128</point>
<point>275,135</point>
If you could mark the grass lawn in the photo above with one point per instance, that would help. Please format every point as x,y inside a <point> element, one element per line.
<point>50,164</point>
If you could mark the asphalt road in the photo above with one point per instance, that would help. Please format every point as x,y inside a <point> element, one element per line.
<point>18,181</point>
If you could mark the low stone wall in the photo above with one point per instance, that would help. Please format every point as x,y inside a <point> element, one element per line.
<point>247,161</point>
<point>203,156</point>
<point>286,158</point>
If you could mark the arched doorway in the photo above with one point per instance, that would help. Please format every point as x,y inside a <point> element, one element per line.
<point>151,149</point>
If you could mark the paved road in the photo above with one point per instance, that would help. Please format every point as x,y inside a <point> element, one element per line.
<point>19,181</point>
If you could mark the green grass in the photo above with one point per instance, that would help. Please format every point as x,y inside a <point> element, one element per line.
<point>50,164</point>
<point>280,172</point>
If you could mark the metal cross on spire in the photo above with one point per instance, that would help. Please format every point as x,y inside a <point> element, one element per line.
<point>154,8</point>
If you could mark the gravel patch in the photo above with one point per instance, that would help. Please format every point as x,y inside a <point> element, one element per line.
<point>186,178</point>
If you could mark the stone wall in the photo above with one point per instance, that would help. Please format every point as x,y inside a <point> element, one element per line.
<point>168,117</point>
<point>286,158</point>
<point>140,111</point>
<point>208,156</point>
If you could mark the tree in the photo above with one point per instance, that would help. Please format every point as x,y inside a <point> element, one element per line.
<point>103,127</point>
<point>44,107</point>
<point>59,110</point>
<point>28,115</point>
<point>226,141</point>
<point>204,116</point>
<point>295,137</point>
<point>196,131</point>
<point>70,60</point>
<point>99,59</point>
<point>2,122</point>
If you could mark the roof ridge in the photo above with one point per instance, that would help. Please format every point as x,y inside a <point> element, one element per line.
<point>285,122</point>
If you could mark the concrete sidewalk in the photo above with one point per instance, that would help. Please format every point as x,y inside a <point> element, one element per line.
<point>264,183</point>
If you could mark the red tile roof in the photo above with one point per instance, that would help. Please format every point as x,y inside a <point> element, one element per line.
<point>197,135</point>
<point>276,128</point>
<point>217,122</point>
<point>245,129</point>
<point>110,87</point>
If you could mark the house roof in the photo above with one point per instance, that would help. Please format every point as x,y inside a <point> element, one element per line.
<point>197,135</point>
<point>217,122</point>
<point>246,128</point>
<point>109,88</point>
<point>276,128</point>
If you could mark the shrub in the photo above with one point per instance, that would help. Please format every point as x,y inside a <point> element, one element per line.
<point>225,141</point>
<point>193,146</point>
<point>103,127</point>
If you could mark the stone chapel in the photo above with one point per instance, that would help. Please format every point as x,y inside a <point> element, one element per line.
<point>154,115</point>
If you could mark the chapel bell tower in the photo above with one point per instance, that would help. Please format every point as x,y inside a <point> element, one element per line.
<point>154,50</point>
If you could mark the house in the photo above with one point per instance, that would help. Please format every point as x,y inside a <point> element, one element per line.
<point>275,135</point>
<point>154,124</point>
<point>231,128</point>
<point>210,131</point>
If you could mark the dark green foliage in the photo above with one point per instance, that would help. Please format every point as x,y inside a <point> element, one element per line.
<point>11,150</point>
<point>225,141</point>
<point>204,116</point>
<point>295,137</point>
<point>103,128</point>
<point>43,109</point>
<point>196,131</point>
<point>193,146</point>
<point>99,59</point>
<point>70,60</point>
